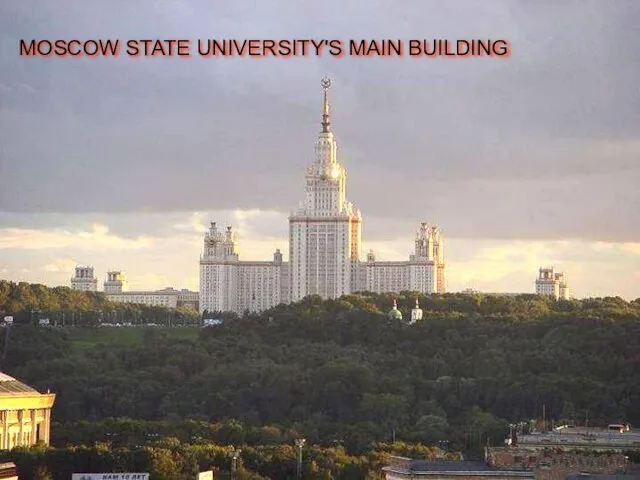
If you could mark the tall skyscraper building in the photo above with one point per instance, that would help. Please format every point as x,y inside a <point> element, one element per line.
<point>84,279</point>
<point>552,283</point>
<point>324,232</point>
<point>325,248</point>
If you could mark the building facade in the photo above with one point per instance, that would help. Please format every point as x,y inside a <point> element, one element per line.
<point>188,299</point>
<point>25,414</point>
<point>566,451</point>
<point>325,249</point>
<point>167,297</point>
<point>116,282</point>
<point>558,463</point>
<point>552,283</point>
<point>84,279</point>
<point>325,230</point>
<point>229,284</point>
<point>423,272</point>
<point>400,468</point>
<point>591,439</point>
<point>116,288</point>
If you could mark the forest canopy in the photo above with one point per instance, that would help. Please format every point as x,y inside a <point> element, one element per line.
<point>338,372</point>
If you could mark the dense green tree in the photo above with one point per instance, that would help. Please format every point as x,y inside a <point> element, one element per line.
<point>337,372</point>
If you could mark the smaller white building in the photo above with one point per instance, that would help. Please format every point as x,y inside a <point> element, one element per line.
<point>84,279</point>
<point>167,297</point>
<point>552,283</point>
<point>416,313</point>
<point>116,289</point>
<point>116,282</point>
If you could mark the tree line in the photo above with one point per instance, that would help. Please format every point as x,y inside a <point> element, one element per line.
<point>344,376</point>
<point>62,306</point>
<point>169,458</point>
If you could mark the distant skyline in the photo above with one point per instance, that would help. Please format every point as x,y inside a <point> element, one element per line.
<point>524,162</point>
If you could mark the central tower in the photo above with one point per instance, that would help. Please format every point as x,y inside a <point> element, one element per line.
<point>325,230</point>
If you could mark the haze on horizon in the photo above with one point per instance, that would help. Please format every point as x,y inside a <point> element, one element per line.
<point>524,162</point>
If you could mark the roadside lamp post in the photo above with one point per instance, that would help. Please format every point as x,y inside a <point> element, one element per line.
<point>299,445</point>
<point>234,454</point>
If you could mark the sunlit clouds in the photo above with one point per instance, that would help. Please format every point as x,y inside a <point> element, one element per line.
<point>96,237</point>
<point>159,251</point>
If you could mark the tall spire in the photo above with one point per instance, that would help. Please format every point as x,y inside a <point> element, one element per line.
<point>326,118</point>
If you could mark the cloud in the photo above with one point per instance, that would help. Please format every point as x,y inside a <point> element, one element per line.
<point>488,266</point>
<point>98,238</point>
<point>631,247</point>
<point>169,256</point>
<point>592,268</point>
<point>151,281</point>
<point>511,158</point>
<point>196,223</point>
<point>543,145</point>
<point>59,265</point>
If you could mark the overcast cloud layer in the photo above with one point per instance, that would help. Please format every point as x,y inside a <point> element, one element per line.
<point>524,153</point>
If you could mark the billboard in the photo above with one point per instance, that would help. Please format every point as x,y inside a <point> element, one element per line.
<point>110,476</point>
<point>205,475</point>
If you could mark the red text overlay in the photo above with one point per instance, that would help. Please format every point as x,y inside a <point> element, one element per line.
<point>255,48</point>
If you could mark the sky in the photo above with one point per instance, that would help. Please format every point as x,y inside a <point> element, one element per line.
<point>523,162</point>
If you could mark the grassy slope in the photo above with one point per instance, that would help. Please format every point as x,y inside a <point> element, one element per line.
<point>84,338</point>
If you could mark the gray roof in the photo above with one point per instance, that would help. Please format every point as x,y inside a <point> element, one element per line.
<point>455,468</point>
<point>9,386</point>
<point>448,466</point>
<point>588,476</point>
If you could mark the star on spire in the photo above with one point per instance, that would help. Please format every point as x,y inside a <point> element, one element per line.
<point>326,118</point>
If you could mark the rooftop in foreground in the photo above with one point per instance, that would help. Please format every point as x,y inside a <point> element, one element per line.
<point>9,386</point>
